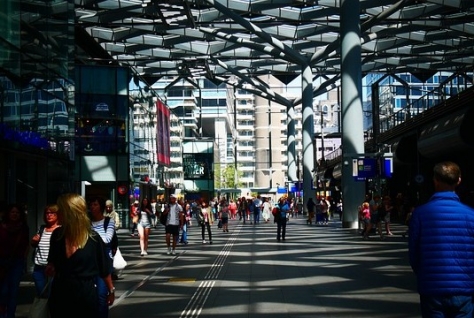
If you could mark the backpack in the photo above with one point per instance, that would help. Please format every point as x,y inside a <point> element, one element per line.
<point>114,242</point>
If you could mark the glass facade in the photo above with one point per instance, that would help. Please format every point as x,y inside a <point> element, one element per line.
<point>36,100</point>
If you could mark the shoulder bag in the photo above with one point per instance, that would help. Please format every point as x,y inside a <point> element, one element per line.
<point>40,308</point>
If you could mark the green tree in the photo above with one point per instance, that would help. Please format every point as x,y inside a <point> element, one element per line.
<point>224,177</point>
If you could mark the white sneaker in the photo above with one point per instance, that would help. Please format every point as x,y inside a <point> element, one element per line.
<point>203,241</point>
<point>144,253</point>
<point>169,251</point>
<point>173,252</point>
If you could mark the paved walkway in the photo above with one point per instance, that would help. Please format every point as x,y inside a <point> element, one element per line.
<point>319,271</point>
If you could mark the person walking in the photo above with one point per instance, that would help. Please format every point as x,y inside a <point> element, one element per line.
<point>364,217</point>
<point>267,210</point>
<point>441,248</point>
<point>174,221</point>
<point>208,219</point>
<point>324,204</point>
<point>233,209</point>
<point>186,224</point>
<point>106,233</point>
<point>387,208</point>
<point>376,214</point>
<point>153,213</point>
<point>77,256</point>
<point>243,208</point>
<point>134,211</point>
<point>224,214</point>
<point>14,244</point>
<point>257,209</point>
<point>112,214</point>
<point>310,206</point>
<point>281,217</point>
<point>40,243</point>
<point>144,225</point>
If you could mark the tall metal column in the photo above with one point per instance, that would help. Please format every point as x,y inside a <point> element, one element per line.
<point>291,132</point>
<point>308,132</point>
<point>352,115</point>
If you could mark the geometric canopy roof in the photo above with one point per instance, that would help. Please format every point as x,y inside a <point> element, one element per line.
<point>245,38</point>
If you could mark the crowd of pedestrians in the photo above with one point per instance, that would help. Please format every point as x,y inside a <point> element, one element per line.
<point>73,250</point>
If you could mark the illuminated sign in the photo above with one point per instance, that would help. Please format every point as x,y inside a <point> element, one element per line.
<point>102,107</point>
<point>363,168</point>
<point>197,166</point>
<point>23,137</point>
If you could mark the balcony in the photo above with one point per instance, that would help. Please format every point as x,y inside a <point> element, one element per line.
<point>246,126</point>
<point>250,158</point>
<point>190,121</point>
<point>246,106</point>
<point>245,148</point>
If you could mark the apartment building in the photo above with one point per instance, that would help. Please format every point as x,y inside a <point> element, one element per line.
<point>249,131</point>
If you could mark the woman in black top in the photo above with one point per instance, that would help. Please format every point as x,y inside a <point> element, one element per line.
<point>76,256</point>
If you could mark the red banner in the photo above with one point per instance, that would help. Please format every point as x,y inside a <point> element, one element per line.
<point>162,134</point>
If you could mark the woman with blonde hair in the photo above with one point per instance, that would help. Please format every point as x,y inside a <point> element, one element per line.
<point>77,256</point>
<point>365,217</point>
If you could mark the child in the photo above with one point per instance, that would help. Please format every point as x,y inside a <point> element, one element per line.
<point>364,214</point>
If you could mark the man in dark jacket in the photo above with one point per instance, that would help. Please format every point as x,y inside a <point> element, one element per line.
<point>441,248</point>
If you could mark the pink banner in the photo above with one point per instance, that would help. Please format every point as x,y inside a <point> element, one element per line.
<point>162,134</point>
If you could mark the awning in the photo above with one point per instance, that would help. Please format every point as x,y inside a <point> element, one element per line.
<point>326,174</point>
<point>450,134</point>
<point>404,150</point>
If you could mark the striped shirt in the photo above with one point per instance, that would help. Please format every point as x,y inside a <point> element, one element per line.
<point>42,251</point>
<point>98,226</point>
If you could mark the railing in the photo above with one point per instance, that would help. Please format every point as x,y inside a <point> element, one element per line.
<point>429,100</point>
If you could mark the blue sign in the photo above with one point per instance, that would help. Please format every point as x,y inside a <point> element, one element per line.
<point>363,168</point>
<point>388,167</point>
<point>282,190</point>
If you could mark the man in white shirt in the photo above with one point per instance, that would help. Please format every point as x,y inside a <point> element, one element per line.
<point>174,222</point>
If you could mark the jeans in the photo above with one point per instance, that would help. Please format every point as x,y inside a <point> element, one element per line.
<point>40,279</point>
<point>256,216</point>
<point>102,292</point>
<point>10,286</point>
<point>281,228</point>
<point>446,306</point>
<point>184,234</point>
<point>134,228</point>
<point>208,226</point>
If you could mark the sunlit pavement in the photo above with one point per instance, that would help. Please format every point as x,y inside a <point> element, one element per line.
<point>318,271</point>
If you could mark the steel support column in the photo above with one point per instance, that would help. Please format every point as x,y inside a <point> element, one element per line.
<point>291,132</point>
<point>352,116</point>
<point>308,132</point>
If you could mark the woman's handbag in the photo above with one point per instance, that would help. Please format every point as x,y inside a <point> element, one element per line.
<point>135,219</point>
<point>200,219</point>
<point>119,262</point>
<point>40,308</point>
